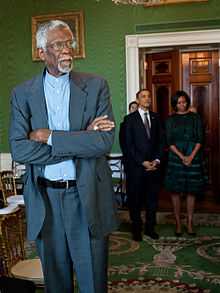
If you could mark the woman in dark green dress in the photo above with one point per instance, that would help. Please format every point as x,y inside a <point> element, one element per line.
<point>184,174</point>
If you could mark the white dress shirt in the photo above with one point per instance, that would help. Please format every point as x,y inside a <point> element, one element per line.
<point>142,113</point>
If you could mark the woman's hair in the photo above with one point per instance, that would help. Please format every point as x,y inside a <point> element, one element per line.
<point>44,28</point>
<point>131,103</point>
<point>175,98</point>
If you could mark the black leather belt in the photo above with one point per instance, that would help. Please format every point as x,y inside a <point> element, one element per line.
<point>56,184</point>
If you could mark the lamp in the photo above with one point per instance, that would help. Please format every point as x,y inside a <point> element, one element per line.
<point>137,2</point>
<point>149,3</point>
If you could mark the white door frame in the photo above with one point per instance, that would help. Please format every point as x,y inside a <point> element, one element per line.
<point>134,42</point>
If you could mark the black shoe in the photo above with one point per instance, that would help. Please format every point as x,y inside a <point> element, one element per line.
<point>192,234</point>
<point>178,234</point>
<point>137,236</point>
<point>152,234</point>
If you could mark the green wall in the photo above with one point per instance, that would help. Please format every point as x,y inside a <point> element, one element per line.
<point>106,25</point>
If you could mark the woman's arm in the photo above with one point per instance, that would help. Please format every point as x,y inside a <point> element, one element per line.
<point>188,159</point>
<point>175,150</point>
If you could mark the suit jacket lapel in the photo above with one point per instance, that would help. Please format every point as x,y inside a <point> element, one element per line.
<point>139,120</point>
<point>38,101</point>
<point>78,96</point>
<point>152,120</point>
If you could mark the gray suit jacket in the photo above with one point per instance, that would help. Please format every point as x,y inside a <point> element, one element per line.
<point>89,98</point>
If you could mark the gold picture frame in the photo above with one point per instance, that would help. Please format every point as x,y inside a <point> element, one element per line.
<point>74,19</point>
<point>165,2</point>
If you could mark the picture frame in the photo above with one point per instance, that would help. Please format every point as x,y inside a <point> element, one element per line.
<point>165,2</point>
<point>74,19</point>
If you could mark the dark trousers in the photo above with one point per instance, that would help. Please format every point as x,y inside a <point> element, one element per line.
<point>65,245</point>
<point>143,190</point>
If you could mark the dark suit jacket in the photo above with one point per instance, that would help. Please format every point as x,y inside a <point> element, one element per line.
<point>122,137</point>
<point>139,147</point>
<point>122,143</point>
<point>89,98</point>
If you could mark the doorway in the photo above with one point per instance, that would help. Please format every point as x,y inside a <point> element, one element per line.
<point>196,72</point>
<point>162,77</point>
<point>164,42</point>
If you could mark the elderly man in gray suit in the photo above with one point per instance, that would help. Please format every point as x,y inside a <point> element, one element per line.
<point>61,129</point>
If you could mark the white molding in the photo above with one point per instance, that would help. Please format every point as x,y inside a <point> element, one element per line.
<point>132,70</point>
<point>5,161</point>
<point>134,42</point>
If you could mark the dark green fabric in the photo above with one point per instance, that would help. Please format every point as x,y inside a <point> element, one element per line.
<point>184,131</point>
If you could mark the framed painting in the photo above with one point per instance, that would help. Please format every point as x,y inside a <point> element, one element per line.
<point>164,2</point>
<point>74,19</point>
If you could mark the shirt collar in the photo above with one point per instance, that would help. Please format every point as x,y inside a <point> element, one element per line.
<point>56,81</point>
<point>142,112</point>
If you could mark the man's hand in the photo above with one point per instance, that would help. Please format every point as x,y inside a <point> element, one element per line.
<point>155,163</point>
<point>149,166</point>
<point>101,123</point>
<point>40,135</point>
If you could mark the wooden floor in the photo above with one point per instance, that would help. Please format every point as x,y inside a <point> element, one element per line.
<point>206,203</point>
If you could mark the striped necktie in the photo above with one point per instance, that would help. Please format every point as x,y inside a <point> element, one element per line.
<point>147,124</point>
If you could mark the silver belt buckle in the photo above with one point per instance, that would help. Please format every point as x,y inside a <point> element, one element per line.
<point>66,187</point>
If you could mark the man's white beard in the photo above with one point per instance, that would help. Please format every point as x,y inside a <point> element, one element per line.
<point>65,68</point>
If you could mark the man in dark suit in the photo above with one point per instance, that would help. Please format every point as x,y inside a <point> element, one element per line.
<point>143,141</point>
<point>60,131</point>
<point>131,108</point>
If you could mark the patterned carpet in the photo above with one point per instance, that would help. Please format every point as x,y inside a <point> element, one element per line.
<point>153,286</point>
<point>170,264</point>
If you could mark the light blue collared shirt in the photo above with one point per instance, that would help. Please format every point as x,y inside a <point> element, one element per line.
<point>57,93</point>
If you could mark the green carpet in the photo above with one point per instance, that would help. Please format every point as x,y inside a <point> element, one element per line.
<point>170,264</point>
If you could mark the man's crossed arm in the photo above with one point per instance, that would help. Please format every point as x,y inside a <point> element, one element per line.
<point>101,123</point>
